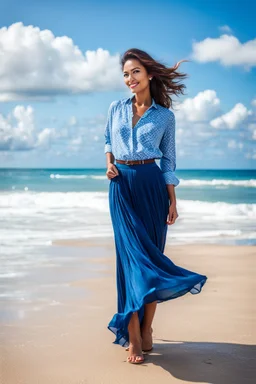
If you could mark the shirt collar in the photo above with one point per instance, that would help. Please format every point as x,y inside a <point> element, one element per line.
<point>152,105</point>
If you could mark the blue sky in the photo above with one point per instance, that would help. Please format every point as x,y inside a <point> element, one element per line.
<point>60,72</point>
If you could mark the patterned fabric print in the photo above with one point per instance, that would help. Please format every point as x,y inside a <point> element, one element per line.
<point>152,137</point>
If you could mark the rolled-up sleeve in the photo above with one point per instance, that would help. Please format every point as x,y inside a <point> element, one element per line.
<point>168,148</point>
<point>107,133</point>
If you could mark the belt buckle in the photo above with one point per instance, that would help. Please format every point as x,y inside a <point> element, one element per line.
<point>127,162</point>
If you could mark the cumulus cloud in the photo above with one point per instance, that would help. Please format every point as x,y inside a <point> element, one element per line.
<point>232,119</point>
<point>36,65</point>
<point>18,132</point>
<point>202,107</point>
<point>226,49</point>
<point>192,122</point>
<point>203,129</point>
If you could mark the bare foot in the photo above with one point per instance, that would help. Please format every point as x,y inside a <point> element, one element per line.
<point>147,339</point>
<point>135,353</point>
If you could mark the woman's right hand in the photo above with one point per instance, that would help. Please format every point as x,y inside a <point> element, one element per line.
<point>112,171</point>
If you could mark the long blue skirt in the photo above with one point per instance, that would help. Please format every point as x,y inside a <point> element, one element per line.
<point>139,204</point>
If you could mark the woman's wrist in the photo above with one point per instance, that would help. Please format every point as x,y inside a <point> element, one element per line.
<point>109,158</point>
<point>171,193</point>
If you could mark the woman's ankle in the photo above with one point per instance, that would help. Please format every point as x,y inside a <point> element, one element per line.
<point>135,339</point>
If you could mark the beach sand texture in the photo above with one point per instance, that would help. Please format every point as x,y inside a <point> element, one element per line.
<point>204,338</point>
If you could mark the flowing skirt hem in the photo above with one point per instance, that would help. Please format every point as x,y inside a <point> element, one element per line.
<point>119,323</point>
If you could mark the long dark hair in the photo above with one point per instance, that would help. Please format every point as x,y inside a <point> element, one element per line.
<point>162,84</point>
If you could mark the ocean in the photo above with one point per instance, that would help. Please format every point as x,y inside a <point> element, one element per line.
<point>39,206</point>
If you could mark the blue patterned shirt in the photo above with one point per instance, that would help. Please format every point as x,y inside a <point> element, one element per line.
<point>152,137</point>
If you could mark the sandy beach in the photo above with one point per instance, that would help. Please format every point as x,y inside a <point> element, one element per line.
<point>204,338</point>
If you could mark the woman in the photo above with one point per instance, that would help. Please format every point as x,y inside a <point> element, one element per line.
<point>142,199</point>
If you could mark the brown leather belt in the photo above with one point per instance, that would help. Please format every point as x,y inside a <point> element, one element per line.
<point>133,162</point>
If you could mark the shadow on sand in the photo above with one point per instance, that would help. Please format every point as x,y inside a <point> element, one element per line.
<point>213,363</point>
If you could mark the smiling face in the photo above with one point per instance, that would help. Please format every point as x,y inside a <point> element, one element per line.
<point>135,76</point>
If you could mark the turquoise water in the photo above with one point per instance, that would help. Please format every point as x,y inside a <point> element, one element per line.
<point>231,186</point>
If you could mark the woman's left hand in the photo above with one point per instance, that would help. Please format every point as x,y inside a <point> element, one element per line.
<point>173,214</point>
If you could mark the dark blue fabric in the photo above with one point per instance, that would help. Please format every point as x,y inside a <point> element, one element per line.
<point>139,203</point>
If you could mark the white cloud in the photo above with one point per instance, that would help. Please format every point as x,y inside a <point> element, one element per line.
<point>202,127</point>
<point>18,132</point>
<point>46,137</point>
<point>225,29</point>
<point>232,119</point>
<point>253,102</point>
<point>37,65</point>
<point>192,121</point>
<point>202,107</point>
<point>226,49</point>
